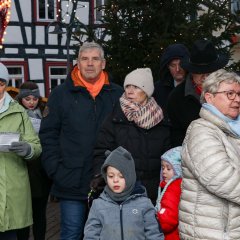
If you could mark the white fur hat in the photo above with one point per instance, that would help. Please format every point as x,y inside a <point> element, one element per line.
<point>142,78</point>
<point>4,76</point>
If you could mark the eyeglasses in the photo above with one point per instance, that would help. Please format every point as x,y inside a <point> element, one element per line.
<point>230,94</point>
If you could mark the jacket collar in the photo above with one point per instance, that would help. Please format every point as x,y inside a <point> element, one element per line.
<point>189,88</point>
<point>6,102</point>
<point>208,116</point>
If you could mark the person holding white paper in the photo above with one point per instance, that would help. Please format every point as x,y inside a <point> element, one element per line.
<point>15,195</point>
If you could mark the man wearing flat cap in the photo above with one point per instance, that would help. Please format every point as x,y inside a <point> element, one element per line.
<point>184,102</point>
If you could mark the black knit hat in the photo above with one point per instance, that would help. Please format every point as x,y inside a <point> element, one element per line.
<point>122,160</point>
<point>204,58</point>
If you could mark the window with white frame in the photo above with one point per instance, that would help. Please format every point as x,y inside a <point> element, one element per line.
<point>16,75</point>
<point>46,10</point>
<point>57,75</point>
<point>98,11</point>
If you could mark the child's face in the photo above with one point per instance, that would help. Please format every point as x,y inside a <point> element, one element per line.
<point>115,180</point>
<point>167,171</point>
<point>30,102</point>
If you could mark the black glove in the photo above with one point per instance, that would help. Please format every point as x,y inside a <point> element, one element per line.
<point>22,149</point>
<point>97,183</point>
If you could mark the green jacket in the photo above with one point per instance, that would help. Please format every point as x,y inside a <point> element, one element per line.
<point>15,195</point>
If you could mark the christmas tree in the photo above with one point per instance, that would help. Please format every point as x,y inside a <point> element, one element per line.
<point>141,29</point>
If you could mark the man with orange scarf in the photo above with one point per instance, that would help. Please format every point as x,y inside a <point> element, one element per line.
<point>71,121</point>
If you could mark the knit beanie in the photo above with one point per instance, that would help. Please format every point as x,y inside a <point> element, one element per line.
<point>122,160</point>
<point>173,157</point>
<point>142,78</point>
<point>4,76</point>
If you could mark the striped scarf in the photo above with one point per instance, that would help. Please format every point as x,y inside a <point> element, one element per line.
<point>146,116</point>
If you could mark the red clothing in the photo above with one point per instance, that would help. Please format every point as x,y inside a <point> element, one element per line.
<point>168,214</point>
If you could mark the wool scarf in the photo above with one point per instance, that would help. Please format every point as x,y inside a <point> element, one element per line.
<point>93,88</point>
<point>145,116</point>
<point>119,197</point>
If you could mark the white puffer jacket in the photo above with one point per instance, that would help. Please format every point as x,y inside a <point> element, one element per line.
<point>210,201</point>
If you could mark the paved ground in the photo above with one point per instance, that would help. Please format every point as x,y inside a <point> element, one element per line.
<point>53,222</point>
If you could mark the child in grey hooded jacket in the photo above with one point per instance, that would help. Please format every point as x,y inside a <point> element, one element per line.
<point>123,211</point>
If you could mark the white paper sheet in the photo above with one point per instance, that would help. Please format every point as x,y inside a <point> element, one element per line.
<point>6,138</point>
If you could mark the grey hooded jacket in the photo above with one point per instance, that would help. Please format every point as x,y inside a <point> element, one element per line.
<point>134,219</point>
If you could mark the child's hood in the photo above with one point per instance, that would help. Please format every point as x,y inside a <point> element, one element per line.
<point>173,157</point>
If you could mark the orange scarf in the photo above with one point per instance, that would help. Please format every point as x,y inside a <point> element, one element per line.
<point>94,88</point>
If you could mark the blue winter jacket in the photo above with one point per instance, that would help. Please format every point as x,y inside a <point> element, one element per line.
<point>134,219</point>
<point>68,133</point>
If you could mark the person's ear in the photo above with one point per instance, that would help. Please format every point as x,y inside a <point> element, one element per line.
<point>103,64</point>
<point>208,97</point>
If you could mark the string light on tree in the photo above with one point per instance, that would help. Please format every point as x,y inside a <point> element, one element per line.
<point>4,18</point>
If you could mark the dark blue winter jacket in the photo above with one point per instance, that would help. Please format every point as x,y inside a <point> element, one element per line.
<point>68,132</point>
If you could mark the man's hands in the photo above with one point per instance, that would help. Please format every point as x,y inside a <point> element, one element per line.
<point>22,149</point>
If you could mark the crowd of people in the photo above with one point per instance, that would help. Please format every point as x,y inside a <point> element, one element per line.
<point>161,159</point>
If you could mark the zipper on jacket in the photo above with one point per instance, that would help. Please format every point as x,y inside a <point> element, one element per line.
<point>121,223</point>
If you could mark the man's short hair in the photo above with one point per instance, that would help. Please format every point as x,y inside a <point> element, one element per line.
<point>89,45</point>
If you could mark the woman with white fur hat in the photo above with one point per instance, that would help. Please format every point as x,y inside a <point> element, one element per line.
<point>138,125</point>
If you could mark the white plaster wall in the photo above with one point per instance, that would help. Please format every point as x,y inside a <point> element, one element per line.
<point>35,69</point>
<point>26,9</point>
<point>13,35</point>
<point>82,11</point>
<point>13,16</point>
<point>40,33</point>
<point>41,89</point>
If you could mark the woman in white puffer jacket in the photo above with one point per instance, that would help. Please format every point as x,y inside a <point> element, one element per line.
<point>210,201</point>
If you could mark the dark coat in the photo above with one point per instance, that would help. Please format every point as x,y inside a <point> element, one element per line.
<point>161,93</point>
<point>39,181</point>
<point>146,147</point>
<point>68,133</point>
<point>183,107</point>
<point>165,85</point>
